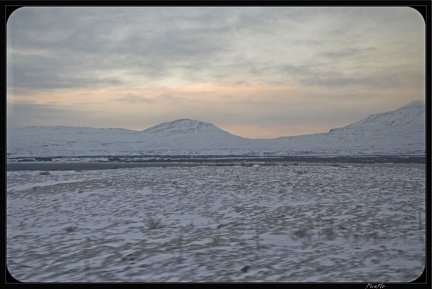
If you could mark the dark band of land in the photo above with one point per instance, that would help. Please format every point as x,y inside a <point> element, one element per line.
<point>114,162</point>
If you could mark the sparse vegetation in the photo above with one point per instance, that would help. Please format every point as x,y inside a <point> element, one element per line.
<point>210,224</point>
<point>152,223</point>
<point>70,229</point>
<point>329,233</point>
<point>302,233</point>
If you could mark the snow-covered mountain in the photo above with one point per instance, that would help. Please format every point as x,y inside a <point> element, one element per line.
<point>182,136</point>
<point>191,135</point>
<point>186,126</point>
<point>409,119</point>
<point>401,131</point>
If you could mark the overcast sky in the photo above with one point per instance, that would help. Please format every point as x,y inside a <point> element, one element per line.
<point>257,72</point>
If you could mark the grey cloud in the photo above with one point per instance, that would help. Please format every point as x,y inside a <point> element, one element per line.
<point>163,97</point>
<point>383,79</point>
<point>168,97</point>
<point>353,67</point>
<point>296,69</point>
<point>133,98</point>
<point>28,74</point>
<point>348,52</point>
<point>87,47</point>
<point>340,81</point>
<point>71,47</point>
<point>27,114</point>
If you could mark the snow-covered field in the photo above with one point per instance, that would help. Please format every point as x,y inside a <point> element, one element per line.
<point>359,223</point>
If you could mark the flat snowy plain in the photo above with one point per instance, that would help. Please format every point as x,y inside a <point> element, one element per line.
<point>286,223</point>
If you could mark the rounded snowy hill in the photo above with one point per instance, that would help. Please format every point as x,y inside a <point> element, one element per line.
<point>187,135</point>
<point>189,127</point>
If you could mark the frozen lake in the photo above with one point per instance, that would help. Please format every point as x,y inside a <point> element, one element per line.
<point>321,223</point>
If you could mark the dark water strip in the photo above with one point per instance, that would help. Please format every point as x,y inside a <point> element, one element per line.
<point>86,166</point>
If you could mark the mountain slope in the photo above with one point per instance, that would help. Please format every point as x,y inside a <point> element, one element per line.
<point>409,119</point>
<point>401,131</point>
<point>65,141</point>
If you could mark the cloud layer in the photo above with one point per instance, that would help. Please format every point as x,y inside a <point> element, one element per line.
<point>261,71</point>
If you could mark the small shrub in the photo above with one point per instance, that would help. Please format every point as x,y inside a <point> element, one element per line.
<point>153,223</point>
<point>329,233</point>
<point>302,234</point>
<point>70,229</point>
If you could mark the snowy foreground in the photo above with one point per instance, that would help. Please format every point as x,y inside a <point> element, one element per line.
<point>322,223</point>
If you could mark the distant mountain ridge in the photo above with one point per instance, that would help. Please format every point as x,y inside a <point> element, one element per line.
<point>401,131</point>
